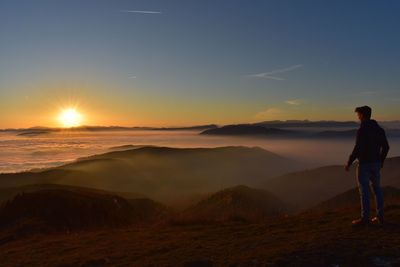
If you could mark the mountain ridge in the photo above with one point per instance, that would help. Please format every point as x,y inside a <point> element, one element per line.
<point>161,172</point>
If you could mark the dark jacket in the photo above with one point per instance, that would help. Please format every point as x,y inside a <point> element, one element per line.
<point>371,143</point>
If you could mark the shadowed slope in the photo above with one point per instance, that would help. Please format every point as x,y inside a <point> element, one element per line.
<point>308,188</point>
<point>351,199</point>
<point>239,203</point>
<point>10,192</point>
<point>58,209</point>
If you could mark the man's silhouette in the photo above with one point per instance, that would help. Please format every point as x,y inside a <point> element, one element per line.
<point>371,150</point>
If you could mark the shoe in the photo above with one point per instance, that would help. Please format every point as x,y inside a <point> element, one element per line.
<point>377,220</point>
<point>360,222</point>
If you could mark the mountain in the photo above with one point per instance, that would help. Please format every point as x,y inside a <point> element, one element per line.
<point>125,147</point>
<point>310,187</point>
<point>31,133</point>
<point>163,173</point>
<point>195,128</point>
<point>293,130</point>
<point>239,203</point>
<point>394,133</point>
<point>63,209</point>
<point>39,130</point>
<point>307,123</point>
<point>247,129</point>
<point>337,134</point>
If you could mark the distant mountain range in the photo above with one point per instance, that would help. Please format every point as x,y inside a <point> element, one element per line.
<point>244,129</point>
<point>39,130</point>
<point>267,124</point>
<point>307,123</point>
<point>293,130</point>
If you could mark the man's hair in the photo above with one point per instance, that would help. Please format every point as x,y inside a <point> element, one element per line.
<point>365,110</point>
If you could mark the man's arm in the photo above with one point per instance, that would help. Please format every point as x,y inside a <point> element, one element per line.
<point>356,149</point>
<point>385,147</point>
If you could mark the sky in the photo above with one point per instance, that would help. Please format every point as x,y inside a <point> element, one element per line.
<point>176,63</point>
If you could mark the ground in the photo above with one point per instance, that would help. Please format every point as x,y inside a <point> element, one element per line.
<point>311,238</point>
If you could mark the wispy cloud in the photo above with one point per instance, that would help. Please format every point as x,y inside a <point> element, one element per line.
<point>294,102</point>
<point>368,93</point>
<point>132,77</point>
<point>271,74</point>
<point>141,11</point>
<point>269,113</point>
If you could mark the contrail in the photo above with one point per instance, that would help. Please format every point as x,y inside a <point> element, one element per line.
<point>268,75</point>
<point>141,11</point>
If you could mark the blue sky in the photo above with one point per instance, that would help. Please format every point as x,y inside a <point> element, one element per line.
<point>190,62</point>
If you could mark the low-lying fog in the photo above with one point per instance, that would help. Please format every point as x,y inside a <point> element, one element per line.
<point>19,153</point>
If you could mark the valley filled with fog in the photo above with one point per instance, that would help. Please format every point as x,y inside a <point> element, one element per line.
<point>24,152</point>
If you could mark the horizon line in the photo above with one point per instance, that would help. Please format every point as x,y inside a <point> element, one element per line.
<point>179,126</point>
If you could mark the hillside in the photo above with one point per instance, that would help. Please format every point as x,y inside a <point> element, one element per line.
<point>317,237</point>
<point>163,173</point>
<point>10,192</point>
<point>308,188</point>
<point>63,209</point>
<point>239,203</point>
<point>351,199</point>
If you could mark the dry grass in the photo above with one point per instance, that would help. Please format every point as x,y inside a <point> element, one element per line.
<point>312,238</point>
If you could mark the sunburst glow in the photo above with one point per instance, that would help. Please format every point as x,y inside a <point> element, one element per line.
<point>70,117</point>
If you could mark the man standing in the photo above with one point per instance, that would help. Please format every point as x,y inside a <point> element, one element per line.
<point>371,149</point>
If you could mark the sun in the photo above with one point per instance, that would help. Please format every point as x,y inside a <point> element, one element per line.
<point>70,117</point>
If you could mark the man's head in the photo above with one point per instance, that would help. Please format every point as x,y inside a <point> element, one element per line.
<point>364,113</point>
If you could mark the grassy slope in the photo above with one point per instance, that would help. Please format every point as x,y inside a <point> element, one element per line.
<point>315,237</point>
<point>240,203</point>
<point>10,192</point>
<point>55,209</point>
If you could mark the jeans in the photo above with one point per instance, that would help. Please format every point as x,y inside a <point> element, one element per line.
<point>366,173</point>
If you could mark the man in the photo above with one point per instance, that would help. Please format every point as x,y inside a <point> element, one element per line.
<point>371,149</point>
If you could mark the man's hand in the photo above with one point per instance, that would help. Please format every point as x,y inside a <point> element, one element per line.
<point>347,167</point>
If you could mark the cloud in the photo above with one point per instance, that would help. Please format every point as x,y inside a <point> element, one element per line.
<point>132,77</point>
<point>294,102</point>
<point>141,11</point>
<point>368,93</point>
<point>269,113</point>
<point>271,74</point>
